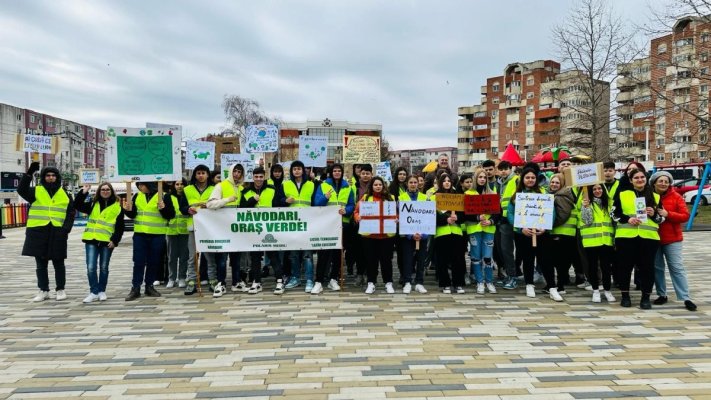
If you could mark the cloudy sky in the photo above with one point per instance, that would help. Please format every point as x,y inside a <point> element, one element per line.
<point>405,64</point>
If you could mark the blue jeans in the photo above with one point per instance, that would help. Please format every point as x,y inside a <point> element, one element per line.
<point>296,257</point>
<point>97,255</point>
<point>147,256</point>
<point>413,259</point>
<point>481,251</point>
<point>672,253</point>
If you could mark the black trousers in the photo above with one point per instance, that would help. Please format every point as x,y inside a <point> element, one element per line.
<point>350,235</point>
<point>530,254</point>
<point>565,249</point>
<point>639,252</point>
<point>379,252</point>
<point>602,256</point>
<point>60,274</point>
<point>328,265</point>
<point>449,255</point>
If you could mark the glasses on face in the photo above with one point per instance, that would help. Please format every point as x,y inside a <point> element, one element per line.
<point>105,189</point>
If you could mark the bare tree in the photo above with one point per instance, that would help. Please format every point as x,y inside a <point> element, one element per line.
<point>384,149</point>
<point>241,112</point>
<point>591,43</point>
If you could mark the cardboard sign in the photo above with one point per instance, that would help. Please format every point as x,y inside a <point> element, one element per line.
<point>359,149</point>
<point>313,150</point>
<point>449,201</point>
<point>40,144</point>
<point>377,217</point>
<point>89,176</point>
<point>199,152</point>
<point>382,169</point>
<point>417,217</point>
<point>262,139</point>
<point>482,204</point>
<point>584,175</point>
<point>534,210</point>
<point>143,154</point>
<point>247,161</point>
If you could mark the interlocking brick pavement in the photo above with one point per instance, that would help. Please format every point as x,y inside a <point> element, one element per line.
<point>344,345</point>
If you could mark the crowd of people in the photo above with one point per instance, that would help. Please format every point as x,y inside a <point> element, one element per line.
<point>606,232</point>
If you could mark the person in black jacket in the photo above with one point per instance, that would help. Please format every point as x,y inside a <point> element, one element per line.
<point>49,222</point>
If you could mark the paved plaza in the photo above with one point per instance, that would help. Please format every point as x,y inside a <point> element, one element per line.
<point>344,345</point>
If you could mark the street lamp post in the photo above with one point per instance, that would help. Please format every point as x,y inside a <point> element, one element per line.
<point>647,126</point>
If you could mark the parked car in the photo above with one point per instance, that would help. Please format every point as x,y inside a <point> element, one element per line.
<point>690,197</point>
<point>689,185</point>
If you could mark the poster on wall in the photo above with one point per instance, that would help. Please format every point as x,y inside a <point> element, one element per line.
<point>143,154</point>
<point>198,152</point>
<point>262,139</point>
<point>313,150</point>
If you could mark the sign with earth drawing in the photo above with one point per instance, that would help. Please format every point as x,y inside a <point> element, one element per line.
<point>313,150</point>
<point>262,139</point>
<point>198,152</point>
<point>143,154</point>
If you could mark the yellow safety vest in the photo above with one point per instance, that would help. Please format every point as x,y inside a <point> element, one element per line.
<point>266,198</point>
<point>302,198</point>
<point>446,229</point>
<point>570,226</point>
<point>228,190</point>
<point>101,224</point>
<point>148,218</point>
<point>179,224</point>
<point>48,210</point>
<point>474,227</point>
<point>600,232</point>
<point>508,191</point>
<point>340,200</point>
<point>194,197</point>
<point>613,190</point>
<point>646,230</point>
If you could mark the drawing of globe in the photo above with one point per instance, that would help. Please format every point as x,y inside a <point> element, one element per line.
<point>262,133</point>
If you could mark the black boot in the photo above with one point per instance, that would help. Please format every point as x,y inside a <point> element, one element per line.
<point>626,300</point>
<point>690,305</point>
<point>152,292</point>
<point>133,294</point>
<point>661,300</point>
<point>645,304</point>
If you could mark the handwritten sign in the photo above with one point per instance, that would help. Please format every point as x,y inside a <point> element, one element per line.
<point>39,144</point>
<point>89,176</point>
<point>313,150</point>
<point>640,205</point>
<point>143,154</point>
<point>450,202</point>
<point>584,175</point>
<point>377,219</point>
<point>482,204</point>
<point>382,169</point>
<point>262,139</point>
<point>359,149</point>
<point>199,152</point>
<point>534,210</point>
<point>247,161</point>
<point>417,217</point>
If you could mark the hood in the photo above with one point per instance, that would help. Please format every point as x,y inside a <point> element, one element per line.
<point>232,169</point>
<point>51,188</point>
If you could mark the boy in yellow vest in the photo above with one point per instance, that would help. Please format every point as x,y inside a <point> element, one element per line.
<point>196,195</point>
<point>299,192</point>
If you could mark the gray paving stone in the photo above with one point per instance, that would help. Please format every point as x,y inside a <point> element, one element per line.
<point>428,388</point>
<point>238,394</point>
<point>610,395</point>
<point>58,388</point>
<point>65,374</point>
<point>165,375</point>
<point>577,378</point>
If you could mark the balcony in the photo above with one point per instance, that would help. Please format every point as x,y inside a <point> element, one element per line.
<point>464,111</point>
<point>481,133</point>
<point>639,136</point>
<point>483,90</point>
<point>485,144</point>
<point>624,124</point>
<point>513,103</point>
<point>624,110</point>
<point>547,126</point>
<point>481,120</point>
<point>624,97</point>
<point>546,139</point>
<point>625,83</point>
<point>547,113</point>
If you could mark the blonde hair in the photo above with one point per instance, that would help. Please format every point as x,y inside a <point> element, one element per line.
<point>561,179</point>
<point>487,188</point>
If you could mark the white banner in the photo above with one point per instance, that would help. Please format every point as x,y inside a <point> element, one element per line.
<point>262,139</point>
<point>313,150</point>
<point>199,152</point>
<point>417,217</point>
<point>268,229</point>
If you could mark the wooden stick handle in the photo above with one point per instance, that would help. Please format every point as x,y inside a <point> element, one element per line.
<point>417,244</point>
<point>535,244</point>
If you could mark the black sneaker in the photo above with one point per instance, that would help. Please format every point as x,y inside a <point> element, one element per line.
<point>133,294</point>
<point>152,292</point>
<point>661,300</point>
<point>190,288</point>
<point>690,305</point>
<point>644,303</point>
<point>626,300</point>
<point>265,272</point>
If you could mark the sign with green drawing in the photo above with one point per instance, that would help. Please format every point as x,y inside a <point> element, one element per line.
<point>313,150</point>
<point>142,154</point>
<point>199,152</point>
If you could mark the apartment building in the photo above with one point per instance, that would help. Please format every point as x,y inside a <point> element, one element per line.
<point>416,159</point>
<point>531,106</point>
<point>663,100</point>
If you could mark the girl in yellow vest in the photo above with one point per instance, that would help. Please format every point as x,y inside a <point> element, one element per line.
<point>448,243</point>
<point>396,188</point>
<point>598,237</point>
<point>378,247</point>
<point>177,238</point>
<point>563,237</point>
<point>414,258</point>
<point>49,222</point>
<point>196,195</point>
<point>636,237</point>
<point>102,234</point>
<point>481,230</point>
<point>299,192</point>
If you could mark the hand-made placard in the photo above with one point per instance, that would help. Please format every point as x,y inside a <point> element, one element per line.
<point>313,150</point>
<point>482,204</point>
<point>382,169</point>
<point>262,139</point>
<point>584,175</point>
<point>247,161</point>
<point>417,217</point>
<point>143,154</point>
<point>449,201</point>
<point>89,176</point>
<point>377,217</point>
<point>534,210</point>
<point>359,149</point>
<point>198,152</point>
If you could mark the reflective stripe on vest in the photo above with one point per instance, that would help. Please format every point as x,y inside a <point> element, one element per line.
<point>474,227</point>
<point>613,190</point>
<point>301,198</point>
<point>341,199</point>
<point>101,224</point>
<point>508,192</point>
<point>194,197</point>
<point>601,232</point>
<point>647,230</point>
<point>179,224</point>
<point>266,198</point>
<point>148,218</point>
<point>48,210</point>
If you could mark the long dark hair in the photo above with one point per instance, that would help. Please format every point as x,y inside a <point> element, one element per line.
<point>604,199</point>
<point>521,187</point>
<point>395,185</point>
<point>440,180</point>
<point>97,196</point>
<point>174,192</point>
<point>647,191</point>
<point>384,194</point>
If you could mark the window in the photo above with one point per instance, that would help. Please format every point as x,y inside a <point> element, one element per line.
<point>33,119</point>
<point>662,48</point>
<point>704,37</point>
<point>703,138</point>
<point>704,90</point>
<point>495,87</point>
<point>705,71</point>
<point>529,109</point>
<point>495,114</point>
<point>683,74</point>
<point>660,141</point>
<point>494,149</point>
<point>661,127</point>
<point>529,135</point>
<point>529,122</point>
<point>684,42</point>
<point>494,125</point>
<point>660,156</point>
<point>702,154</point>
<point>495,138</point>
<point>704,57</point>
<point>643,99</point>
<point>529,81</point>
<point>50,122</point>
<point>662,82</point>
<point>529,95</point>
<point>495,100</point>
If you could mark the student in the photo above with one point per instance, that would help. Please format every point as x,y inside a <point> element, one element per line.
<point>49,222</point>
<point>177,237</point>
<point>523,237</point>
<point>276,180</point>
<point>350,233</point>
<point>412,256</point>
<point>673,209</point>
<point>299,192</point>
<point>563,235</point>
<point>196,196</point>
<point>611,183</point>
<point>333,191</point>
<point>397,187</point>
<point>103,233</point>
<point>636,237</point>
<point>489,167</point>
<point>448,237</point>
<point>481,230</point>
<point>151,216</point>
<point>509,181</point>
<point>597,233</point>
<point>420,183</point>
<point>366,175</point>
<point>379,246</point>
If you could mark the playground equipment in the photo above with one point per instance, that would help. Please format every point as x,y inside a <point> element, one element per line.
<point>704,178</point>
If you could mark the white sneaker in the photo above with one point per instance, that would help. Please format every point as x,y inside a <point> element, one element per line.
<point>585,285</point>
<point>170,285</point>
<point>41,296</point>
<point>447,290</point>
<point>279,288</point>
<point>333,285</point>
<point>317,289</point>
<point>256,288</point>
<point>204,283</point>
<point>389,288</point>
<point>370,289</point>
<point>181,283</point>
<point>156,283</point>
<point>240,287</point>
<point>91,298</point>
<point>610,298</point>
<point>553,293</point>
<point>480,288</point>
<point>420,289</point>
<point>407,288</point>
<point>102,296</point>
<point>596,296</point>
<point>460,290</point>
<point>531,291</point>
<point>61,295</point>
<point>490,287</point>
<point>219,290</point>
<point>467,280</point>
